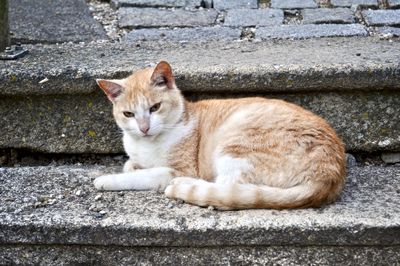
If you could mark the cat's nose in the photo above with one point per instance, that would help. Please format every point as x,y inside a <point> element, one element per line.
<point>144,128</point>
<point>144,125</point>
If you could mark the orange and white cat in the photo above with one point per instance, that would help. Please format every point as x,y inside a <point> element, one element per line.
<point>230,154</point>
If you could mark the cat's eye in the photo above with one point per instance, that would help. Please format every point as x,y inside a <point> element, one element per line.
<point>155,107</point>
<point>128,114</point>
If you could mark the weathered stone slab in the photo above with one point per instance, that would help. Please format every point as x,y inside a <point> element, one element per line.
<point>45,200</point>
<point>234,4</point>
<point>327,15</point>
<point>52,21</point>
<point>391,31</point>
<point>156,3</point>
<point>349,3</point>
<point>310,31</point>
<point>293,4</point>
<point>152,17</point>
<point>85,124</point>
<point>254,17</point>
<point>381,17</point>
<point>203,34</point>
<point>363,72</point>
<point>256,255</point>
<point>196,4</point>
<point>339,64</point>
<point>149,3</point>
<point>394,3</point>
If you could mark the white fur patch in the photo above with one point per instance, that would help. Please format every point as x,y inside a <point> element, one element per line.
<point>149,152</point>
<point>229,169</point>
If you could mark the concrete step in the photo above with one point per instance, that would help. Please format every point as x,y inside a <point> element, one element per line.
<point>50,103</point>
<point>53,216</point>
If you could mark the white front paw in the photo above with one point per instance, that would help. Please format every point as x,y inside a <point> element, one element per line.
<point>105,182</point>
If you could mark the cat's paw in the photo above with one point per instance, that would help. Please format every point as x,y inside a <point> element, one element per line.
<point>105,182</point>
<point>131,166</point>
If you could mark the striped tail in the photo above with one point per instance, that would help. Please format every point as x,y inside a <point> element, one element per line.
<point>250,196</point>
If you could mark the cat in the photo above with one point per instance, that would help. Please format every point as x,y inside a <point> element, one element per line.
<point>229,154</point>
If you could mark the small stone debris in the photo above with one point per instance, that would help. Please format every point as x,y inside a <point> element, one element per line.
<point>211,208</point>
<point>103,212</point>
<point>78,193</point>
<point>98,197</point>
<point>43,80</point>
<point>351,160</point>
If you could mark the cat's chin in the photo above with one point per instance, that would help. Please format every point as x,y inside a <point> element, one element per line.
<point>143,136</point>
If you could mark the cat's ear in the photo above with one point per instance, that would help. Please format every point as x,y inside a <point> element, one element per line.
<point>162,76</point>
<point>112,88</point>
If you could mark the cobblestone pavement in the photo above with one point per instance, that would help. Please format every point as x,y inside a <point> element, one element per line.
<point>260,20</point>
<point>201,20</point>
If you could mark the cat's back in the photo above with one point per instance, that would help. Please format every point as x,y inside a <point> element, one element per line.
<point>254,112</point>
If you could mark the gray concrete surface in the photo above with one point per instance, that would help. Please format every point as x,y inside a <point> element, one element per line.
<point>355,89</point>
<point>52,21</point>
<point>61,207</point>
<point>256,255</point>
<point>235,67</point>
<point>81,123</point>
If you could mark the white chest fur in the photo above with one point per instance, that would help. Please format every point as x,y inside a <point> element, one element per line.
<point>149,153</point>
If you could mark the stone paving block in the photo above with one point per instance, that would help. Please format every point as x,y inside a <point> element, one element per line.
<point>349,3</point>
<point>327,15</point>
<point>382,17</point>
<point>202,34</point>
<point>151,17</point>
<point>395,32</point>
<point>149,3</point>
<point>51,21</point>
<point>253,17</point>
<point>157,3</point>
<point>195,4</point>
<point>293,4</point>
<point>232,4</point>
<point>394,3</point>
<point>310,31</point>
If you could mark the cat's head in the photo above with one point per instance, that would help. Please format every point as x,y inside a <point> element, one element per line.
<point>147,103</point>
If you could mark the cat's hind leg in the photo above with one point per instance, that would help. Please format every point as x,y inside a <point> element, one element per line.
<point>229,171</point>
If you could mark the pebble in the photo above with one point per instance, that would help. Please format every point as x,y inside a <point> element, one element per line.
<point>98,197</point>
<point>78,192</point>
<point>103,212</point>
<point>351,160</point>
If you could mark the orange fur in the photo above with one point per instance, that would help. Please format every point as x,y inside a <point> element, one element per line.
<point>238,153</point>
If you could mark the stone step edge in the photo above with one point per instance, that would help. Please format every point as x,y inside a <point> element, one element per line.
<point>357,218</point>
<point>211,68</point>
